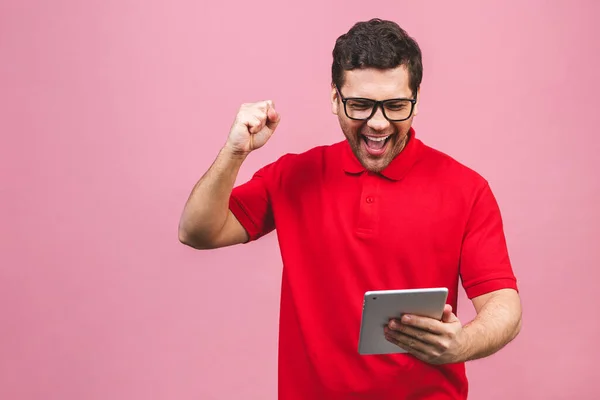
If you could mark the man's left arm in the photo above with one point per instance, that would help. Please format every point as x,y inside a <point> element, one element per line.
<point>498,322</point>
<point>489,282</point>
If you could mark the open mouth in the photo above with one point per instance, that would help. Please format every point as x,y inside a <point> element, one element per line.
<point>376,145</point>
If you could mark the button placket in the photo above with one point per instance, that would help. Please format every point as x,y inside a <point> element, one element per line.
<point>368,207</point>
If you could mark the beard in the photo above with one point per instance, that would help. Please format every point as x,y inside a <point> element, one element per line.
<point>375,156</point>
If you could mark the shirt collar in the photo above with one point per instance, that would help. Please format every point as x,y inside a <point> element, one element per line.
<point>399,166</point>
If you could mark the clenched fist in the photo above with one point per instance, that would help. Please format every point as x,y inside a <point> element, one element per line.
<point>253,126</point>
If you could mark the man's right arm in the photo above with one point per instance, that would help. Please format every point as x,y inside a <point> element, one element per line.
<point>206,221</point>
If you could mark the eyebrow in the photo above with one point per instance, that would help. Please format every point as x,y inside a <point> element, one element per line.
<point>346,96</point>
<point>388,98</point>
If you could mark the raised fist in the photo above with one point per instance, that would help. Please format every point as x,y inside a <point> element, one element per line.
<point>253,126</point>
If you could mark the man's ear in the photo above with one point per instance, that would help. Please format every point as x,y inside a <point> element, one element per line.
<point>416,109</point>
<point>334,100</point>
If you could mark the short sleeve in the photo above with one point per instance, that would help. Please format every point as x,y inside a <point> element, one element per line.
<point>250,203</point>
<point>485,264</point>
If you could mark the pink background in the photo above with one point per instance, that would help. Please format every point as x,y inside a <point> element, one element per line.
<point>111,110</point>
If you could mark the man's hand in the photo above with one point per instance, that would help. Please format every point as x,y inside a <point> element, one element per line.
<point>252,128</point>
<point>430,340</point>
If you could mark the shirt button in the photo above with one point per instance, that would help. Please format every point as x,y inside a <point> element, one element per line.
<point>370,200</point>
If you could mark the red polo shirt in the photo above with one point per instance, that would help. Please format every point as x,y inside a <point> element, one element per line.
<point>425,221</point>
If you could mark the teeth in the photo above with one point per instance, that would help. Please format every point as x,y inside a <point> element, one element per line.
<point>377,139</point>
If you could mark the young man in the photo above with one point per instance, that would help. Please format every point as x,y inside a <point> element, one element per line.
<point>379,210</point>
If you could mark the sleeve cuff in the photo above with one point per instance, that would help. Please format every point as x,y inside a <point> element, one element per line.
<point>238,210</point>
<point>490,286</point>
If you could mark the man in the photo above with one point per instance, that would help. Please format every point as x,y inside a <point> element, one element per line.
<point>379,210</point>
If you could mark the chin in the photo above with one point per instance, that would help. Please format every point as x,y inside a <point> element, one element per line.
<point>374,166</point>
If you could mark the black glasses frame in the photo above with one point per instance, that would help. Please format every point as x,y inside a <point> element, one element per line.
<point>376,104</point>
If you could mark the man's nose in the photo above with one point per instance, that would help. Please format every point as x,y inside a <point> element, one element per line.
<point>378,121</point>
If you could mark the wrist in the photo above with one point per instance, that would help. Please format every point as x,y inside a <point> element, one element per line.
<point>234,154</point>
<point>463,347</point>
<point>467,343</point>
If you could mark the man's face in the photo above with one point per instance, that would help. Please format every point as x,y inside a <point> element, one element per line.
<point>365,136</point>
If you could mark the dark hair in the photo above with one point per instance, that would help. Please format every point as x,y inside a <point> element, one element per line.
<point>377,44</point>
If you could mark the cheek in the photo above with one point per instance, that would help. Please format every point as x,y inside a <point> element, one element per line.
<point>350,128</point>
<point>403,127</point>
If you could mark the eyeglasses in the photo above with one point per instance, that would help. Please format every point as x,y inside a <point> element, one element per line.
<point>394,110</point>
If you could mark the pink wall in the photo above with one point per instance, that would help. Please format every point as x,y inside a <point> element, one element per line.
<point>111,110</point>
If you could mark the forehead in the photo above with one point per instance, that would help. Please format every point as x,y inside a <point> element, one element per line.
<point>377,84</point>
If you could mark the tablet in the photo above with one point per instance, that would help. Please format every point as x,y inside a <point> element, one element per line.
<point>382,305</point>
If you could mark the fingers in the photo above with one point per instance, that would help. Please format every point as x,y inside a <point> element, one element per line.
<point>254,123</point>
<point>429,339</point>
<point>258,115</point>
<point>436,334</point>
<point>273,118</point>
<point>422,351</point>
<point>422,344</point>
<point>422,323</point>
<point>410,344</point>
<point>448,315</point>
<point>424,334</point>
<point>253,117</point>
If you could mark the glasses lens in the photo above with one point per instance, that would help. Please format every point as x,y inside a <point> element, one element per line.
<point>398,109</point>
<point>359,109</point>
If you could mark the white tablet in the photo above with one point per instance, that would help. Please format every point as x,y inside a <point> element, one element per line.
<point>381,306</point>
